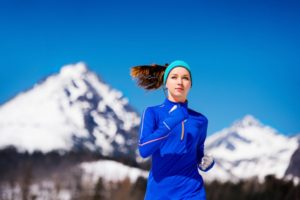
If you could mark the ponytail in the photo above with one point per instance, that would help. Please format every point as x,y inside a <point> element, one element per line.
<point>149,77</point>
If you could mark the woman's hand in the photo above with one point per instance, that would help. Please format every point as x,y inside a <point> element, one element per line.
<point>179,111</point>
<point>207,162</point>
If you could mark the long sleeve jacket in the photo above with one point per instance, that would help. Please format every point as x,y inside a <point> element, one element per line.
<point>173,135</point>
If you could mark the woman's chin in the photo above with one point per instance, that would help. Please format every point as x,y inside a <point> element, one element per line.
<point>178,95</point>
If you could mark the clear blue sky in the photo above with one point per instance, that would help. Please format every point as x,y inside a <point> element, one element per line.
<point>244,55</point>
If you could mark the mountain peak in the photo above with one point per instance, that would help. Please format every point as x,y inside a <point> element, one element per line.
<point>247,121</point>
<point>76,70</point>
<point>249,148</point>
<point>73,109</point>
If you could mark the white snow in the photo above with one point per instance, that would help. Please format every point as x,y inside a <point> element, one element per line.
<point>110,171</point>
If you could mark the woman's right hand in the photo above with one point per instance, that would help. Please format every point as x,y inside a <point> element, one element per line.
<point>177,114</point>
<point>179,111</point>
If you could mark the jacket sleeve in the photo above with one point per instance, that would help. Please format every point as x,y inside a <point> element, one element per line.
<point>204,162</point>
<point>200,145</point>
<point>152,135</point>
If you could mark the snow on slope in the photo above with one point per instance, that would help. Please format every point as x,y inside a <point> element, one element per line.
<point>110,171</point>
<point>74,107</point>
<point>249,148</point>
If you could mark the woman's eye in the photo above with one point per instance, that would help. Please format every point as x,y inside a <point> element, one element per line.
<point>173,77</point>
<point>186,78</point>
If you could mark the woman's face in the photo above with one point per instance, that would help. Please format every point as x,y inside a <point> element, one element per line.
<point>178,84</point>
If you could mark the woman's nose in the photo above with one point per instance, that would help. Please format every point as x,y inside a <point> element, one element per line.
<point>179,81</point>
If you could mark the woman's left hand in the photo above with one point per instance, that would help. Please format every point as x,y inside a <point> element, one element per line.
<point>207,162</point>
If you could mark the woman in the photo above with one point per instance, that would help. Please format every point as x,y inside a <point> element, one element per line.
<point>172,134</point>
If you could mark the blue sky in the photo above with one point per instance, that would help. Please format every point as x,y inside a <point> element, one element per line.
<point>244,55</point>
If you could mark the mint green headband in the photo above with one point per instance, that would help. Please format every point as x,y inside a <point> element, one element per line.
<point>176,63</point>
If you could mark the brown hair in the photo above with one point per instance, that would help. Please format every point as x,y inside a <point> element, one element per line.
<point>149,77</point>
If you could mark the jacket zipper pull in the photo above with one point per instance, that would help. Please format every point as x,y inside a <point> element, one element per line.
<point>182,130</point>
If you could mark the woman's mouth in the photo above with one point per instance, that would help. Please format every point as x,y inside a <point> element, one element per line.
<point>179,89</point>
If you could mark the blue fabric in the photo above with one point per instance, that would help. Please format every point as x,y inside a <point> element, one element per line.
<point>176,63</point>
<point>175,153</point>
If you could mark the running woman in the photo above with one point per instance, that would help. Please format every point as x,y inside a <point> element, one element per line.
<point>172,134</point>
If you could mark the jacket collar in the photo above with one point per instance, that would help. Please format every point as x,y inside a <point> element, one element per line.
<point>170,104</point>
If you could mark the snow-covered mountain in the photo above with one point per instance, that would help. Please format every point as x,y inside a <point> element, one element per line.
<point>71,109</point>
<point>247,149</point>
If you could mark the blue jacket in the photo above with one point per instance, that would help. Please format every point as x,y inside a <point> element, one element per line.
<point>174,136</point>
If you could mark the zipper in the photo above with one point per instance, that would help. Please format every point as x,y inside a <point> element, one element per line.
<point>182,130</point>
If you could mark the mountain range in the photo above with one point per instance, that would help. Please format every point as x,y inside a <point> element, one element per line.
<point>76,110</point>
